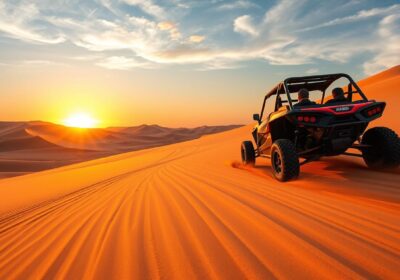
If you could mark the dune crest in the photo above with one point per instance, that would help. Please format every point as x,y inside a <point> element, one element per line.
<point>33,146</point>
<point>381,76</point>
<point>385,86</point>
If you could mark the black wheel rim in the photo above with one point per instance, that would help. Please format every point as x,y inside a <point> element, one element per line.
<point>277,162</point>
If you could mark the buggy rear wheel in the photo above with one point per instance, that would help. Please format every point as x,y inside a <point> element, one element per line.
<point>248,153</point>
<point>284,160</point>
<point>384,152</point>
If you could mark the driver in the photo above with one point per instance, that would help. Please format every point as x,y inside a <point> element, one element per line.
<point>304,98</point>
<point>338,96</point>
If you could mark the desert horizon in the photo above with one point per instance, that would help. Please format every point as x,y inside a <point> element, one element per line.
<point>210,139</point>
<point>36,145</point>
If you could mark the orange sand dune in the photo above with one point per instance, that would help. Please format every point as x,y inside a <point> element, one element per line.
<point>385,86</point>
<point>34,146</point>
<point>192,211</point>
<point>189,210</point>
<point>381,76</point>
<point>119,139</point>
<point>22,152</point>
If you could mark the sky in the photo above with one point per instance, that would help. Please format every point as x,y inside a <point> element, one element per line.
<point>179,63</point>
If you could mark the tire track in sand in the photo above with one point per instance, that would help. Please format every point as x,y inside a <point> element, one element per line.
<point>189,215</point>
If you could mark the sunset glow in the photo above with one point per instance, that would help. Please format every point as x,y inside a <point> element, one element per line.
<point>81,120</point>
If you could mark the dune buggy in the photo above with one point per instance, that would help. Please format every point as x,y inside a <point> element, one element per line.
<point>286,133</point>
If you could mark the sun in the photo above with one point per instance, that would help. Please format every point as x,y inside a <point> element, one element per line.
<point>81,120</point>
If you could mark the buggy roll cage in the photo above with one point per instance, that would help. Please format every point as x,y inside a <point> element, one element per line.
<point>317,82</point>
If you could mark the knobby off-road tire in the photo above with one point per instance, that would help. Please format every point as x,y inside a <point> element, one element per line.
<point>284,160</point>
<point>385,150</point>
<point>247,152</point>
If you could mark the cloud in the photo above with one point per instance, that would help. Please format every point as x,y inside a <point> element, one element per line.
<point>122,63</point>
<point>23,33</point>
<point>195,54</point>
<point>363,14</point>
<point>284,11</point>
<point>387,53</point>
<point>139,35</point>
<point>287,33</point>
<point>240,4</point>
<point>14,22</point>
<point>166,25</point>
<point>243,24</point>
<point>220,64</point>
<point>196,38</point>
<point>33,63</point>
<point>171,27</point>
<point>91,57</point>
<point>148,7</point>
<point>334,46</point>
<point>40,62</point>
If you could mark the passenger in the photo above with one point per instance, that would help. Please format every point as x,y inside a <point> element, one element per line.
<point>338,97</point>
<point>304,98</point>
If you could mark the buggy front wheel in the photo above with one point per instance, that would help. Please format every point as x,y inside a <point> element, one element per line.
<point>248,153</point>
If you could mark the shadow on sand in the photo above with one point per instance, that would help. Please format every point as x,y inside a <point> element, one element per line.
<point>340,175</point>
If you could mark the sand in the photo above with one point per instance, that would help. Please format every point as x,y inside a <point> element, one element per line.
<point>35,146</point>
<point>385,86</point>
<point>22,153</point>
<point>192,211</point>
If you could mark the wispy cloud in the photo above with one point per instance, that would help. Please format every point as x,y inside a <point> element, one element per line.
<point>286,33</point>
<point>363,14</point>
<point>244,24</point>
<point>90,57</point>
<point>196,38</point>
<point>14,22</point>
<point>239,4</point>
<point>171,28</point>
<point>387,52</point>
<point>33,63</point>
<point>23,33</point>
<point>122,63</point>
<point>41,62</point>
<point>148,6</point>
<point>220,64</point>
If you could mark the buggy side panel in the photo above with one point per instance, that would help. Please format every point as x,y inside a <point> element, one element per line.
<point>279,127</point>
<point>282,128</point>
